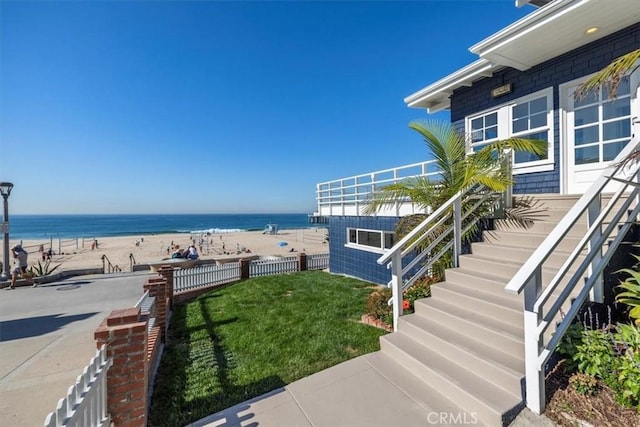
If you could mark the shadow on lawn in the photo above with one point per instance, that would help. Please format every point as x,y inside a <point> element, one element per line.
<point>169,407</point>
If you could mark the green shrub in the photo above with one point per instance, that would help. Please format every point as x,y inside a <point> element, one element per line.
<point>43,269</point>
<point>378,304</point>
<point>610,354</point>
<point>420,289</point>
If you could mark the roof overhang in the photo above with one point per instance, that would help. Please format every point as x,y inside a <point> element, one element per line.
<point>546,33</point>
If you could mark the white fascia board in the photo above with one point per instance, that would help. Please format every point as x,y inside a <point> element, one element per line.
<point>525,25</point>
<point>444,87</point>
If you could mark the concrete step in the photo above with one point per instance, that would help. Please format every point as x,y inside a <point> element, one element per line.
<point>504,370</point>
<point>524,239</point>
<point>518,255</point>
<point>469,283</point>
<point>464,386</point>
<point>476,302</point>
<point>507,338</point>
<point>440,409</point>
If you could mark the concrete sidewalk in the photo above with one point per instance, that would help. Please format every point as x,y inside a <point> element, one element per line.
<point>46,339</point>
<point>356,393</point>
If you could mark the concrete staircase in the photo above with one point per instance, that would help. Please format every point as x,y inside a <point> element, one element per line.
<point>461,353</point>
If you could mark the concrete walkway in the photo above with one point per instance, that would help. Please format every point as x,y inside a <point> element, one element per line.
<point>46,339</point>
<point>355,393</point>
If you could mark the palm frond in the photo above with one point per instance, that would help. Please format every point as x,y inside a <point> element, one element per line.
<point>611,76</point>
<point>420,190</point>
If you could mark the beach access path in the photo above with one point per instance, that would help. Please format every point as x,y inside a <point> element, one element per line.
<point>46,339</point>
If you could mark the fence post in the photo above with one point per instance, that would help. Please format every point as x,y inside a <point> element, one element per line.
<point>125,336</point>
<point>166,271</point>
<point>302,261</point>
<point>244,268</point>
<point>157,288</point>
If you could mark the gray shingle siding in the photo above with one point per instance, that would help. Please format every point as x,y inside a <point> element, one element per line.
<point>579,62</point>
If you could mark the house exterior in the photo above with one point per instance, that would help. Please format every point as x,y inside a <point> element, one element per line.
<point>521,85</point>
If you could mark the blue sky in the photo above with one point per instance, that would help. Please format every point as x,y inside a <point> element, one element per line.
<point>217,107</point>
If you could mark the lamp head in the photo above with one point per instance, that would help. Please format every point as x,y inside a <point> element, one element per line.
<point>5,188</point>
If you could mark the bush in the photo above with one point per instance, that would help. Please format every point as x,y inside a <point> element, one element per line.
<point>378,306</point>
<point>420,289</point>
<point>611,354</point>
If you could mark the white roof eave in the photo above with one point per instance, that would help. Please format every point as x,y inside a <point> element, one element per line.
<point>524,44</point>
<point>435,97</point>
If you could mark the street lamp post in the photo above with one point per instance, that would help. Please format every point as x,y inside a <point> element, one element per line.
<point>5,190</point>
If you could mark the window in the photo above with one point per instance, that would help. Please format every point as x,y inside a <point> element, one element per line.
<point>370,239</point>
<point>529,117</point>
<point>601,126</point>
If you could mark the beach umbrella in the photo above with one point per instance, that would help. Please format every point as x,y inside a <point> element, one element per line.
<point>282,244</point>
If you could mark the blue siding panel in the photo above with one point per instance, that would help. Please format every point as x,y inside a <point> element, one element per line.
<point>353,262</point>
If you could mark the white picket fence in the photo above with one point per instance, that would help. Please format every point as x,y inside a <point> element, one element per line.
<point>201,276</point>
<point>86,400</point>
<point>317,262</point>
<point>268,267</point>
<point>204,276</point>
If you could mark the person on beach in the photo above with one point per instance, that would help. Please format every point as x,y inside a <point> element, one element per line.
<point>177,252</point>
<point>192,253</point>
<point>19,264</point>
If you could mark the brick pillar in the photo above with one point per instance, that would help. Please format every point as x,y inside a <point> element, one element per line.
<point>157,288</point>
<point>302,261</point>
<point>166,271</point>
<point>127,380</point>
<point>244,268</point>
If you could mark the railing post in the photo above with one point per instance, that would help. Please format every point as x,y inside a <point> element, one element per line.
<point>457,229</point>
<point>302,261</point>
<point>596,294</point>
<point>125,336</point>
<point>166,271</point>
<point>244,268</point>
<point>396,288</point>
<point>157,288</point>
<point>534,374</point>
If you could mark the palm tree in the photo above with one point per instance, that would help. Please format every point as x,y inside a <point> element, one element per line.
<point>458,170</point>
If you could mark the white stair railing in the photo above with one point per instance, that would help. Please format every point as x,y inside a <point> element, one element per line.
<point>581,274</point>
<point>419,263</point>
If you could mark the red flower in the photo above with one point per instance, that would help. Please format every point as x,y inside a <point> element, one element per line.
<point>405,304</point>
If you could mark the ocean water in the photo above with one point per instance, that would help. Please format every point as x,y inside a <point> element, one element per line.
<point>22,227</point>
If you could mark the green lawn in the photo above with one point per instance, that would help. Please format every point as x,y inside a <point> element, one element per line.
<point>241,341</point>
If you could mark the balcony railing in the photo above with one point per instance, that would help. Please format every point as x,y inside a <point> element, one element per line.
<point>347,196</point>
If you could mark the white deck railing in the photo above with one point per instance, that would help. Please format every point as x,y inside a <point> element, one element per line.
<point>347,196</point>
<point>583,269</point>
<point>86,401</point>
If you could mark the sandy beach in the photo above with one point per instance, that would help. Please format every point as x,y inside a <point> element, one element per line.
<point>78,253</point>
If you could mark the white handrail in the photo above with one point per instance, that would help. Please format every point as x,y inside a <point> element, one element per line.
<point>528,279</point>
<point>519,281</point>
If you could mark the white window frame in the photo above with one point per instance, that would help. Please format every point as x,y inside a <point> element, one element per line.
<point>505,119</point>
<point>367,248</point>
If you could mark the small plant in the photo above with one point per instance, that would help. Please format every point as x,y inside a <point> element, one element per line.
<point>568,345</point>
<point>584,384</point>
<point>43,269</point>
<point>377,304</point>
<point>595,354</point>
<point>420,289</point>
<point>630,294</point>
